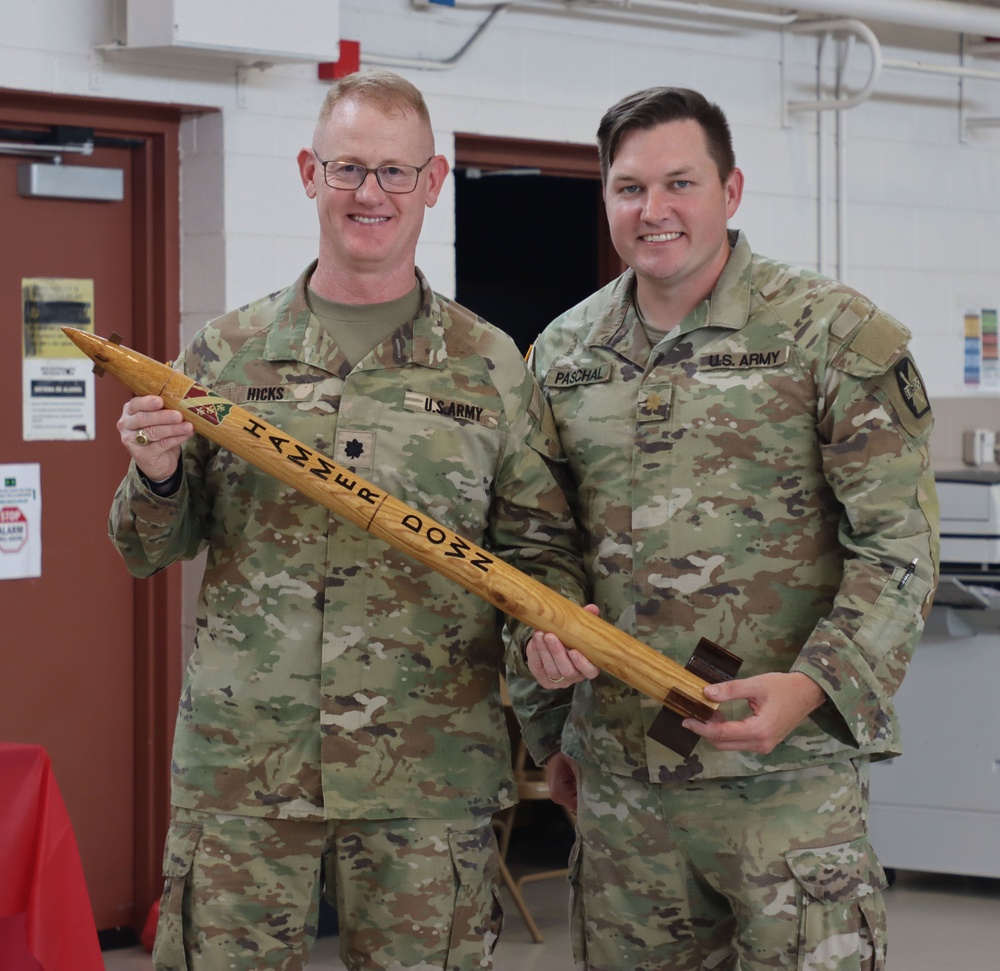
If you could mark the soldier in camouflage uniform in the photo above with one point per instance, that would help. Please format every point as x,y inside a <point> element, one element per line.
<point>341,719</point>
<point>748,443</point>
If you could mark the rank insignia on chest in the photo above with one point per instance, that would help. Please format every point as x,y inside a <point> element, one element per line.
<point>355,449</point>
<point>654,404</point>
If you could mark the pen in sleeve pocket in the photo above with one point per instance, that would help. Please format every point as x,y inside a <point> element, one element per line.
<point>908,573</point>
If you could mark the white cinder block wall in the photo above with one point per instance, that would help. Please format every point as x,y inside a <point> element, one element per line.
<point>922,200</point>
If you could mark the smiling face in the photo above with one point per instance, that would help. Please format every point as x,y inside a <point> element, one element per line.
<point>368,237</point>
<point>668,209</point>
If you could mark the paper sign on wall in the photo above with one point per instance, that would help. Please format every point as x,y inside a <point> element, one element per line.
<point>57,377</point>
<point>20,521</point>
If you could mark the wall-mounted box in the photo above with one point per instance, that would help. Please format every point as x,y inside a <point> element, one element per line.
<point>267,30</point>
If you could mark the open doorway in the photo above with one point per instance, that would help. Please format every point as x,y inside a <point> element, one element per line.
<point>531,236</point>
<point>531,240</point>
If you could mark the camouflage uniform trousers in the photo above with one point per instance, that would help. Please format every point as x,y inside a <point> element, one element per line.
<point>763,872</point>
<point>243,893</point>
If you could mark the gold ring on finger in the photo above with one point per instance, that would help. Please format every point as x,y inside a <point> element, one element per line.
<point>141,438</point>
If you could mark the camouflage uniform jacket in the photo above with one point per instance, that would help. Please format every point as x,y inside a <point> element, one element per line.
<point>761,478</point>
<point>332,676</point>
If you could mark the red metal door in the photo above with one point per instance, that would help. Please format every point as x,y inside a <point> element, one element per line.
<point>75,671</point>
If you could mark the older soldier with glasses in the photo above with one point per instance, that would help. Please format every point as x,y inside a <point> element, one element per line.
<point>341,728</point>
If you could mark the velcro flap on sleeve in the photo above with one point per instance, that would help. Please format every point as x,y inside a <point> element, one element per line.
<point>875,344</point>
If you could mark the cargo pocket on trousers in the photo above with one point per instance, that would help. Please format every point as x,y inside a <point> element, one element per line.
<point>169,952</point>
<point>478,917</point>
<point>842,913</point>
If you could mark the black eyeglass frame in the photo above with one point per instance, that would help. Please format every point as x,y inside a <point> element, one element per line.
<point>417,169</point>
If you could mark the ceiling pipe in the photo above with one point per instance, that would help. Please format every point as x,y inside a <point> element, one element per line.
<point>444,64</point>
<point>962,18</point>
<point>688,8</point>
<point>946,15</point>
<point>957,70</point>
<point>852,28</point>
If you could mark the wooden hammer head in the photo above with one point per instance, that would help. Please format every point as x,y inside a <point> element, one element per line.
<point>711,663</point>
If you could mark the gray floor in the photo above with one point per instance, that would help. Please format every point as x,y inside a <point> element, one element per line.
<point>937,923</point>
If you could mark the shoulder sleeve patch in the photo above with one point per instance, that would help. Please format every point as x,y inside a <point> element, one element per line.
<point>904,386</point>
<point>911,386</point>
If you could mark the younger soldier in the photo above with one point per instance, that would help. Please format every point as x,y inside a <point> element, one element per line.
<point>748,443</point>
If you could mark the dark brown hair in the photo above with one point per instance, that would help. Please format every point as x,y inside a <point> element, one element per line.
<point>654,106</point>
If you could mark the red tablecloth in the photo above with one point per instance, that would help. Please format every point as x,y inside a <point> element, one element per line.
<point>42,890</point>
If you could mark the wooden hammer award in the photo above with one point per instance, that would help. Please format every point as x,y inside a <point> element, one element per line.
<point>402,526</point>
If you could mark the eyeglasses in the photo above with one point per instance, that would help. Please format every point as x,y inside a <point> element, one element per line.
<point>351,175</point>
